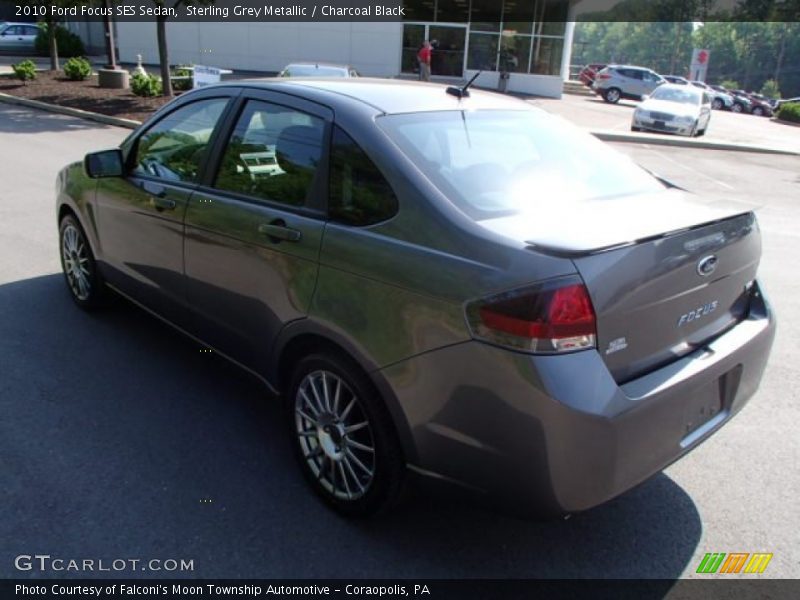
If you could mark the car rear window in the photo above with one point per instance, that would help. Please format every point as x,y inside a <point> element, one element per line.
<point>314,71</point>
<point>495,163</point>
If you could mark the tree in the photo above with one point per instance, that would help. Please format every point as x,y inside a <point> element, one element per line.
<point>52,21</point>
<point>161,33</point>
<point>770,89</point>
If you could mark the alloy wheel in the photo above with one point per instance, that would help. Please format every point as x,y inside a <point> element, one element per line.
<point>613,95</point>
<point>77,263</point>
<point>335,435</point>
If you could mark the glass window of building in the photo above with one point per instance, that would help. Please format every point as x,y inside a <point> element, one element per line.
<point>482,54</point>
<point>546,55</point>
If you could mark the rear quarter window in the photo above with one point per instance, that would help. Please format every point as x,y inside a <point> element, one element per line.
<point>359,193</point>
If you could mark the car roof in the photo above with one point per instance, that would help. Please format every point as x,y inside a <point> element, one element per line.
<point>631,67</point>
<point>390,96</point>
<point>9,23</point>
<point>316,64</point>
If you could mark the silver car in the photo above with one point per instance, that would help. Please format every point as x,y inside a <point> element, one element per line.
<point>317,70</point>
<point>617,82</point>
<point>674,108</point>
<point>443,286</point>
<point>18,37</point>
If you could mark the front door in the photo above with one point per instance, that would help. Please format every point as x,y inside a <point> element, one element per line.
<point>254,228</point>
<point>140,216</point>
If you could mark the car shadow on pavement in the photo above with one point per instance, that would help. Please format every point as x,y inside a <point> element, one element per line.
<point>17,119</point>
<point>121,439</point>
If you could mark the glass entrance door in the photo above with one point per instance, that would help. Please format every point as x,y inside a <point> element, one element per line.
<point>449,48</point>
<point>449,43</point>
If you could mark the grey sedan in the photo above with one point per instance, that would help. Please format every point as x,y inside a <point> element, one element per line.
<point>444,286</point>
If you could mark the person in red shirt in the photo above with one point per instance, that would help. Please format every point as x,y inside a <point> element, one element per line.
<point>424,58</point>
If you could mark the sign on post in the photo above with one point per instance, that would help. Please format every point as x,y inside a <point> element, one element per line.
<point>203,75</point>
<point>699,68</point>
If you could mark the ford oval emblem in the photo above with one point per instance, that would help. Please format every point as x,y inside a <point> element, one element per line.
<point>707,265</point>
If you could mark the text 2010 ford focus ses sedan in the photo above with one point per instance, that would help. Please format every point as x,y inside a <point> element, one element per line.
<point>449,285</point>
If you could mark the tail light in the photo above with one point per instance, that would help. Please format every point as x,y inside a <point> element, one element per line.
<point>603,76</point>
<point>553,317</point>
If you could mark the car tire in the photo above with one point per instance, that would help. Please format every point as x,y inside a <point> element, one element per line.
<point>84,282</point>
<point>737,107</point>
<point>612,95</point>
<point>336,416</point>
<point>717,104</point>
<point>758,111</point>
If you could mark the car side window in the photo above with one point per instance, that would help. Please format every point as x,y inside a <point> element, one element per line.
<point>359,194</point>
<point>272,154</point>
<point>175,146</point>
<point>31,30</point>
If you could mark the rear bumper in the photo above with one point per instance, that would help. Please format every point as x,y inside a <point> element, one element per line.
<point>557,434</point>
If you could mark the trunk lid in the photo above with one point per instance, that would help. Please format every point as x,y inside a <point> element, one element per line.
<point>664,278</point>
<point>659,300</point>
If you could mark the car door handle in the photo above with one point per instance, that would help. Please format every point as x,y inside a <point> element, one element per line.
<point>161,203</point>
<point>278,231</point>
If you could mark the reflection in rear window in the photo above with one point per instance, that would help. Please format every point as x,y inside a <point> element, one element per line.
<point>314,71</point>
<point>492,163</point>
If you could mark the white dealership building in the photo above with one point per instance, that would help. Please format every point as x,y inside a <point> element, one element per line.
<point>529,39</point>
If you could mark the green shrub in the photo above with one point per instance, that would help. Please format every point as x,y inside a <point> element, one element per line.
<point>145,85</point>
<point>68,43</point>
<point>77,69</point>
<point>25,70</point>
<point>790,112</point>
<point>730,84</point>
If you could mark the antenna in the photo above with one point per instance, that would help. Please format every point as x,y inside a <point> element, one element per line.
<point>462,92</point>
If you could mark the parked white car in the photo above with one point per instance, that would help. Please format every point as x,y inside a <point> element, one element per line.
<point>678,109</point>
<point>317,70</point>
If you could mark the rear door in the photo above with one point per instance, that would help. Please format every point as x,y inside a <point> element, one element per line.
<point>254,228</point>
<point>650,81</point>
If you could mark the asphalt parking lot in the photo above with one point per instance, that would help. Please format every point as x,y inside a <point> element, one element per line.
<point>592,113</point>
<point>119,439</point>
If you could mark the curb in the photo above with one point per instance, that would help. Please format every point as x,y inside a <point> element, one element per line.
<point>669,140</point>
<point>71,112</point>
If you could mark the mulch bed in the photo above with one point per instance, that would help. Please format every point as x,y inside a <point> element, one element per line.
<point>54,88</point>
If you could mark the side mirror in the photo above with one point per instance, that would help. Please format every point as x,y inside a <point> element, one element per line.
<point>107,163</point>
<point>645,97</point>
